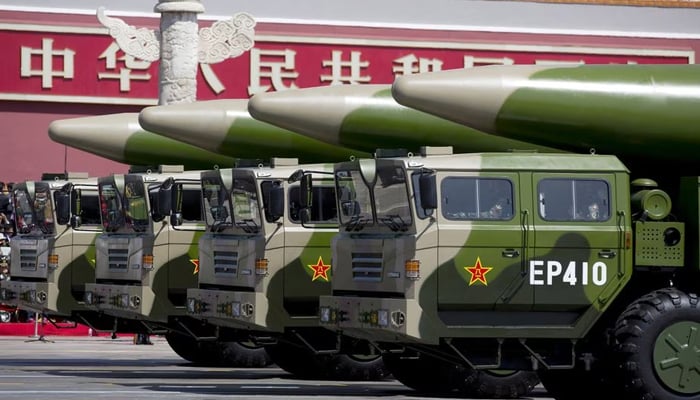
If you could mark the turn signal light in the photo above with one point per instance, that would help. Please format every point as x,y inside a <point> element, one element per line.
<point>412,268</point>
<point>261,266</point>
<point>53,261</point>
<point>147,261</point>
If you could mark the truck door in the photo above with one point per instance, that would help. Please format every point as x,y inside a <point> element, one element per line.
<point>577,252</point>
<point>481,239</point>
<point>307,251</point>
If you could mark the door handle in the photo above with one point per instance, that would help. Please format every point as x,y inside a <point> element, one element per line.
<point>608,254</point>
<point>510,253</point>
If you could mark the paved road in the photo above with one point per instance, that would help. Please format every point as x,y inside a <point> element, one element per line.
<point>102,368</point>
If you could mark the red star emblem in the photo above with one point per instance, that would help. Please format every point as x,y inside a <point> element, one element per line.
<point>196,265</point>
<point>320,270</point>
<point>478,273</point>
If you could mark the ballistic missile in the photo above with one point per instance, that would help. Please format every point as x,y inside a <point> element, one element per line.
<point>119,137</point>
<point>637,112</point>
<point>366,117</point>
<point>226,127</point>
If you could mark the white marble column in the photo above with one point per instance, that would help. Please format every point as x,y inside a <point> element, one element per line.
<point>179,42</point>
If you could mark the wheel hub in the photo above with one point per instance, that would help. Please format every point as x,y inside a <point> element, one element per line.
<point>677,357</point>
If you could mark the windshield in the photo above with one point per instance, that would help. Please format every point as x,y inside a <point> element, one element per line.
<point>135,203</point>
<point>388,192</point>
<point>36,211</point>
<point>246,209</point>
<point>217,203</point>
<point>110,206</point>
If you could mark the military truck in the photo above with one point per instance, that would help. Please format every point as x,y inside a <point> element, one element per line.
<point>263,266</point>
<point>52,254</point>
<point>555,263</point>
<point>146,259</point>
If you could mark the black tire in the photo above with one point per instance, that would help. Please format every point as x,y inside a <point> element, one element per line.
<point>356,367</point>
<point>499,384</point>
<point>187,347</point>
<point>241,355</point>
<point>297,360</point>
<point>657,340</point>
<point>578,384</point>
<point>424,373</point>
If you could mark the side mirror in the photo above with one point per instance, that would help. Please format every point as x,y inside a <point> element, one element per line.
<point>428,191</point>
<point>305,188</point>
<point>305,215</point>
<point>75,221</point>
<point>63,207</point>
<point>276,204</point>
<point>176,219</point>
<point>164,201</point>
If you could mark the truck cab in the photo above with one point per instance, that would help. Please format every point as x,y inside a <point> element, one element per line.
<point>144,264</point>
<point>264,261</point>
<point>53,251</point>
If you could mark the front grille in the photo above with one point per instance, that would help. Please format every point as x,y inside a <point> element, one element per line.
<point>367,267</point>
<point>118,259</point>
<point>27,259</point>
<point>225,262</point>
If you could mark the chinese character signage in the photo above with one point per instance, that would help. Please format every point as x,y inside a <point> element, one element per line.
<point>59,64</point>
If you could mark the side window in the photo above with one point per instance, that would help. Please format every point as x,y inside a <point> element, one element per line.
<point>191,205</point>
<point>90,209</point>
<point>473,198</point>
<point>573,199</point>
<point>323,205</point>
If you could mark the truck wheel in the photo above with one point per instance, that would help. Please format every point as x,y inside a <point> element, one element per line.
<point>423,373</point>
<point>577,384</point>
<point>242,355</point>
<point>357,367</point>
<point>499,384</point>
<point>192,350</point>
<point>658,340</point>
<point>298,361</point>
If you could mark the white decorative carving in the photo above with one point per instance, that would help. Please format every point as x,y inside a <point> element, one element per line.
<point>140,43</point>
<point>226,39</point>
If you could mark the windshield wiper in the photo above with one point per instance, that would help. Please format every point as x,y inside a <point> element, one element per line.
<point>394,222</point>
<point>356,223</point>
<point>248,225</point>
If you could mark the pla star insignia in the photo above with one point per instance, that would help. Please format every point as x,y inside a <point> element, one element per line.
<point>196,265</point>
<point>478,273</point>
<point>320,270</point>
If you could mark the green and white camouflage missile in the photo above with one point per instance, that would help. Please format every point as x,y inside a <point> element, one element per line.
<point>638,112</point>
<point>366,117</point>
<point>120,138</point>
<point>226,127</point>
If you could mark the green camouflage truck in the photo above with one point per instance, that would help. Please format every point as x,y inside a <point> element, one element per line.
<point>458,264</point>
<point>147,258</point>
<point>53,252</point>
<point>262,270</point>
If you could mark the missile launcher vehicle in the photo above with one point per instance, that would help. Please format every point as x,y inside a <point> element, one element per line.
<point>263,266</point>
<point>554,263</point>
<point>52,255</point>
<point>147,258</point>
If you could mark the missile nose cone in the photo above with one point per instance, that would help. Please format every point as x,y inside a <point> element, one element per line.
<point>471,97</point>
<point>204,121</point>
<point>103,134</point>
<point>317,112</point>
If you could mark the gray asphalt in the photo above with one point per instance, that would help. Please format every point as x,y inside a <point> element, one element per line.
<point>104,368</point>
